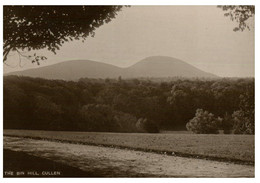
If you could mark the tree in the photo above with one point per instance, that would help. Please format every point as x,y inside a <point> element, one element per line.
<point>242,123</point>
<point>96,117</point>
<point>47,113</point>
<point>125,121</point>
<point>40,27</point>
<point>227,124</point>
<point>203,123</point>
<point>244,118</point>
<point>239,14</point>
<point>146,125</point>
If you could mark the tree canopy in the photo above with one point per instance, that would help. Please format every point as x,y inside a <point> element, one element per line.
<point>239,14</point>
<point>40,27</point>
<point>129,105</point>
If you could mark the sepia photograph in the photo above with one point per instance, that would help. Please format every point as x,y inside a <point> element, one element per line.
<point>128,91</point>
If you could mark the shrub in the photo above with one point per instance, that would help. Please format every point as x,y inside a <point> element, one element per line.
<point>227,124</point>
<point>96,117</point>
<point>242,123</point>
<point>125,121</point>
<point>203,123</point>
<point>244,118</point>
<point>146,125</point>
<point>139,125</point>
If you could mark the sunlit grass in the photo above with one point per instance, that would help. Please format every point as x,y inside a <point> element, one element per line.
<point>238,147</point>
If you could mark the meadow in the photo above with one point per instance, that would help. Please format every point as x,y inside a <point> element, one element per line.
<point>222,147</point>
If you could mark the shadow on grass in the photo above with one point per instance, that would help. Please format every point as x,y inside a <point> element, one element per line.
<point>20,164</point>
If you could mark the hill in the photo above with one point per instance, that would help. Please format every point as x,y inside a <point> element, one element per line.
<point>161,66</point>
<point>156,66</point>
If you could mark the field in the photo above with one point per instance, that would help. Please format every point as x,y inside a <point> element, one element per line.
<point>97,161</point>
<point>15,161</point>
<point>235,148</point>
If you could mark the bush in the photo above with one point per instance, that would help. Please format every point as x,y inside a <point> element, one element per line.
<point>146,125</point>
<point>96,117</point>
<point>227,124</point>
<point>244,118</point>
<point>140,125</point>
<point>125,121</point>
<point>203,123</point>
<point>242,123</point>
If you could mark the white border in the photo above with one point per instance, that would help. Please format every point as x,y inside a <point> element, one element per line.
<point>142,2</point>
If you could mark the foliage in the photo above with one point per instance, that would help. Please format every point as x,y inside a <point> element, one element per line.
<point>203,122</point>
<point>150,126</point>
<point>96,117</point>
<point>239,14</point>
<point>34,103</point>
<point>125,121</point>
<point>227,124</point>
<point>146,125</point>
<point>39,27</point>
<point>244,122</point>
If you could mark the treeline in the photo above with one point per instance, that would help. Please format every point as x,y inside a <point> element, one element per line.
<point>123,105</point>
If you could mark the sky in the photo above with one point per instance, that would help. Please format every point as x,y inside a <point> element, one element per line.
<point>198,35</point>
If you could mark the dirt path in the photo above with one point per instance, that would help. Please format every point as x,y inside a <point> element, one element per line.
<point>111,162</point>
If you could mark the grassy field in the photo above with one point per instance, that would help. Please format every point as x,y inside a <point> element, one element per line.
<point>22,162</point>
<point>219,147</point>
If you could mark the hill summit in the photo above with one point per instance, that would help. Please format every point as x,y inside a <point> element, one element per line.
<point>156,66</point>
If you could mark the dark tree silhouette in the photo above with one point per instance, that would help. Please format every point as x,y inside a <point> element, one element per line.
<point>39,27</point>
<point>239,14</point>
<point>35,103</point>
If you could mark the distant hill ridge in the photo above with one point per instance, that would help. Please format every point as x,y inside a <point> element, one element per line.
<point>156,66</point>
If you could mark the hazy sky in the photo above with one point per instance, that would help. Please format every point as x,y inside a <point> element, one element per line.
<point>198,35</point>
